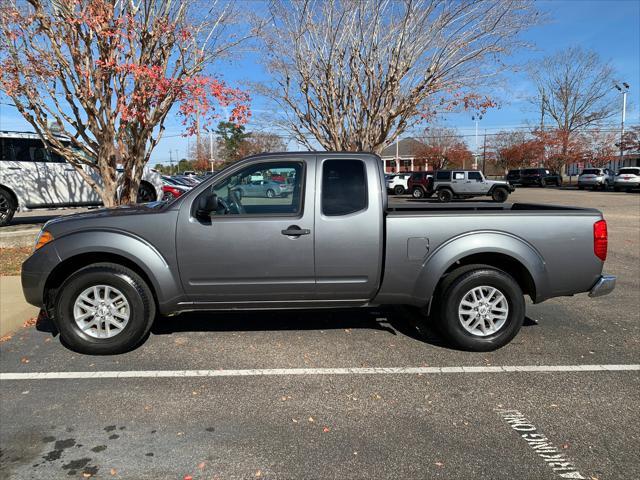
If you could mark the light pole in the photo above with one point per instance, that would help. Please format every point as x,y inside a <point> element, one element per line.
<point>476,118</point>
<point>623,89</point>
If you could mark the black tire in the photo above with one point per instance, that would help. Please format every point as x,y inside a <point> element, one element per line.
<point>133,288</point>
<point>398,190</point>
<point>500,195</point>
<point>543,183</point>
<point>7,207</point>
<point>580,187</point>
<point>417,192</point>
<point>270,193</point>
<point>558,182</point>
<point>616,189</point>
<point>146,193</point>
<point>456,286</point>
<point>445,195</point>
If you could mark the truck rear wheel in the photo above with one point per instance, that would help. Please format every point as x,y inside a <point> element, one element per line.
<point>500,195</point>
<point>480,309</point>
<point>104,309</point>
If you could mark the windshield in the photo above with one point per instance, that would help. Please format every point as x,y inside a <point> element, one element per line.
<point>629,171</point>
<point>590,171</point>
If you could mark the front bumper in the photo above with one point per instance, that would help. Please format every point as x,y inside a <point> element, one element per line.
<point>604,286</point>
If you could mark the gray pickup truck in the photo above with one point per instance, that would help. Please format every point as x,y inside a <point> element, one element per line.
<point>334,242</point>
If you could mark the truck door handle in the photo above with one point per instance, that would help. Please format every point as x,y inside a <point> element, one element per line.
<point>295,231</point>
<point>70,169</point>
<point>15,168</point>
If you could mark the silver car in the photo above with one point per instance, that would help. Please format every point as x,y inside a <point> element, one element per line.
<point>264,188</point>
<point>595,178</point>
<point>627,179</point>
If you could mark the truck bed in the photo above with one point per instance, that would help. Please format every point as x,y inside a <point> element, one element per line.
<point>419,207</point>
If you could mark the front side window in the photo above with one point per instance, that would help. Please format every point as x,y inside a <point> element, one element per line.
<point>475,176</point>
<point>443,176</point>
<point>268,188</point>
<point>344,187</point>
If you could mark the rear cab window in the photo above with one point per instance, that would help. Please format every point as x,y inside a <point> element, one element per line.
<point>344,187</point>
<point>443,176</point>
<point>458,175</point>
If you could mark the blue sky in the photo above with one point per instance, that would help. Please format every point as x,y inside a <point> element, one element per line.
<point>611,28</point>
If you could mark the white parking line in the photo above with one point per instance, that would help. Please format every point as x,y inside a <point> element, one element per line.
<point>315,371</point>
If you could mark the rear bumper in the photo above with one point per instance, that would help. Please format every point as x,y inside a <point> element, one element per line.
<point>626,184</point>
<point>604,286</point>
<point>591,182</point>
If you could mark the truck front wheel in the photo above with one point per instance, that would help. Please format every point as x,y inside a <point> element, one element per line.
<point>481,309</point>
<point>104,309</point>
<point>445,195</point>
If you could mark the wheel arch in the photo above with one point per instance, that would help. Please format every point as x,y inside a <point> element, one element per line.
<point>497,249</point>
<point>12,194</point>
<point>78,250</point>
<point>153,187</point>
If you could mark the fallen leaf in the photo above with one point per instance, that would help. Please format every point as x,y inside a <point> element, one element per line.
<point>258,474</point>
<point>439,464</point>
<point>311,420</point>
<point>30,323</point>
<point>24,360</point>
<point>4,338</point>
<point>187,477</point>
<point>113,471</point>
<point>86,475</point>
<point>201,465</point>
<point>294,420</point>
<point>565,445</point>
<point>326,429</point>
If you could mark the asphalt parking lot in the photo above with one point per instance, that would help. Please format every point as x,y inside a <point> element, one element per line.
<point>343,394</point>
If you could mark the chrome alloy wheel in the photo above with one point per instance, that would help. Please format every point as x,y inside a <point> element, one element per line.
<point>101,311</point>
<point>483,311</point>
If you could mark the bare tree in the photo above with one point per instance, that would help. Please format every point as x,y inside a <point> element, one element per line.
<point>355,74</point>
<point>97,78</point>
<point>575,90</point>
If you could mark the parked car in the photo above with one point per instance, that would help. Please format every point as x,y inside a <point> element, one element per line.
<point>398,183</point>
<point>420,184</point>
<point>627,179</point>
<point>540,177</point>
<point>334,243</point>
<point>171,192</point>
<point>33,177</point>
<point>450,184</point>
<point>263,188</point>
<point>513,176</point>
<point>596,178</point>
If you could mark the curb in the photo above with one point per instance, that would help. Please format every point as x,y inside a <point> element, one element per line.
<point>19,238</point>
<point>14,309</point>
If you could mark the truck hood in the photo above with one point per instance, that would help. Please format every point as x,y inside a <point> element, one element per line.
<point>105,214</point>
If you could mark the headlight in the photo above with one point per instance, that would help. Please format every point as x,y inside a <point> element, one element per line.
<point>42,239</point>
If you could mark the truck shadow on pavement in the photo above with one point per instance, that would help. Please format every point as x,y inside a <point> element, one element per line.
<point>394,321</point>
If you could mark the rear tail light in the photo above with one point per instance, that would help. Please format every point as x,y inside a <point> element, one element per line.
<point>600,239</point>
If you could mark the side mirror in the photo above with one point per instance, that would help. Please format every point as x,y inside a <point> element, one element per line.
<point>207,204</point>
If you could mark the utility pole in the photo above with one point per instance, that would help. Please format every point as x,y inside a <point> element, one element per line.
<point>211,148</point>
<point>170,162</point>
<point>484,152</point>
<point>624,90</point>
<point>476,118</point>
<point>542,112</point>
